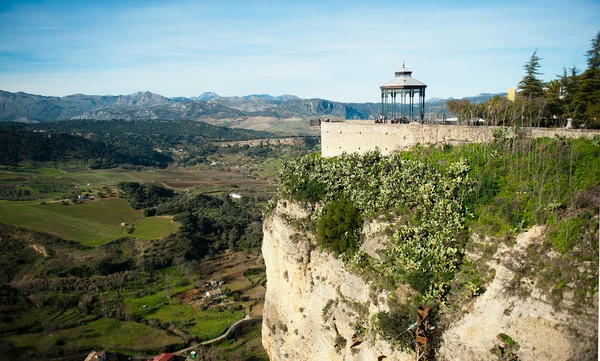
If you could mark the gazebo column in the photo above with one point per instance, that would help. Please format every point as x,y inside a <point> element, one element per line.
<point>404,105</point>
<point>385,106</point>
<point>394,102</point>
<point>423,106</point>
<point>412,102</point>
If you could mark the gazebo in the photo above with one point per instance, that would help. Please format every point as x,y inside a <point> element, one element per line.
<point>403,86</point>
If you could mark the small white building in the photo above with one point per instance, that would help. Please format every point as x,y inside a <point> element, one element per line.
<point>214,293</point>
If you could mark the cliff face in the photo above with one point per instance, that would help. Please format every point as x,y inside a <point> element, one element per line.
<point>313,303</point>
<point>316,309</point>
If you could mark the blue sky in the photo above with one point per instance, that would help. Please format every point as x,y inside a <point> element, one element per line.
<point>338,50</point>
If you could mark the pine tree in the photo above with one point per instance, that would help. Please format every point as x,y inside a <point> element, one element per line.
<point>531,86</point>
<point>569,82</point>
<point>593,55</point>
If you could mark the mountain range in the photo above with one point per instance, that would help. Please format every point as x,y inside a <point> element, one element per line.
<point>33,108</point>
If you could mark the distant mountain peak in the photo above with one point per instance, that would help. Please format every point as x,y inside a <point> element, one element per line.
<point>206,96</point>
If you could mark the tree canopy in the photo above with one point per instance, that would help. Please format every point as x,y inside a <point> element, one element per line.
<point>531,85</point>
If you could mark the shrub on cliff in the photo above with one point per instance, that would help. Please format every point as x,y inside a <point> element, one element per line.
<point>429,242</point>
<point>339,227</point>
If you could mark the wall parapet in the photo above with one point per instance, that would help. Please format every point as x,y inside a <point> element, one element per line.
<point>364,136</point>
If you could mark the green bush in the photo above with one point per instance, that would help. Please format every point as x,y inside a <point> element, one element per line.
<point>339,227</point>
<point>419,281</point>
<point>487,189</point>
<point>309,190</point>
<point>565,233</point>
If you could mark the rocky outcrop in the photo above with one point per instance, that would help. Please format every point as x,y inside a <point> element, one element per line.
<point>543,332</point>
<point>316,309</point>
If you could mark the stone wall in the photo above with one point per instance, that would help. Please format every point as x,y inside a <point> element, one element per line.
<point>362,136</point>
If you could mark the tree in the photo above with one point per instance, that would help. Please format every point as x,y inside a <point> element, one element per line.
<point>494,108</point>
<point>569,83</point>
<point>339,227</point>
<point>531,86</point>
<point>553,95</point>
<point>456,106</point>
<point>588,89</point>
<point>593,55</point>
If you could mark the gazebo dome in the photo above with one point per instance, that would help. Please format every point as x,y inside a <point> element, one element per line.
<point>403,80</point>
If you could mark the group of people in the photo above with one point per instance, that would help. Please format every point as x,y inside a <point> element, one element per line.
<point>381,119</point>
<point>326,120</point>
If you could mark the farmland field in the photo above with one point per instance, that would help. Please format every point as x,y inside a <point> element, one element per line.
<point>111,212</point>
<point>91,224</point>
<point>225,178</point>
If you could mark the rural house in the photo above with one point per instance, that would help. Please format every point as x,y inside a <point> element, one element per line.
<point>214,293</point>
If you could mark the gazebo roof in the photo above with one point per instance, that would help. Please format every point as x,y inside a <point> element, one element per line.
<point>403,80</point>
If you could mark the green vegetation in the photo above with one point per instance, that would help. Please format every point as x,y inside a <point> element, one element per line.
<point>91,224</point>
<point>113,334</point>
<point>507,350</point>
<point>565,233</point>
<point>56,288</point>
<point>393,326</point>
<point>145,195</point>
<point>39,218</point>
<point>531,86</point>
<point>155,227</point>
<point>161,130</point>
<point>111,143</point>
<point>59,290</point>
<point>339,227</point>
<point>203,324</point>
<point>111,212</point>
<point>244,345</point>
<point>18,146</point>
<point>428,243</point>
